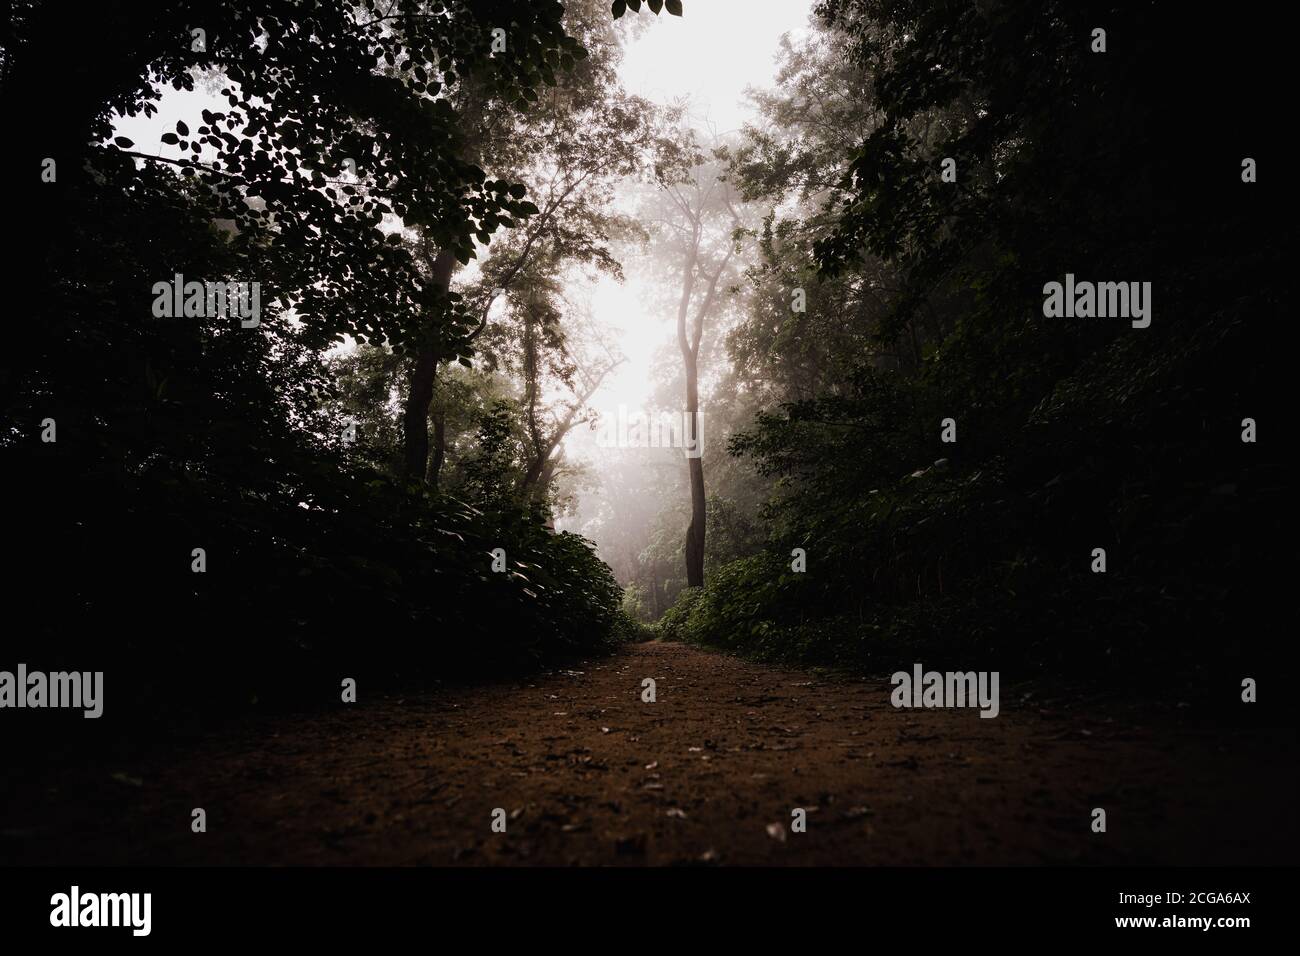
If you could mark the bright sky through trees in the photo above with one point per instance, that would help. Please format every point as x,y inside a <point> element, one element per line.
<point>720,50</point>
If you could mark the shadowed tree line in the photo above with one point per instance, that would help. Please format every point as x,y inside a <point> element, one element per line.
<point>352,158</point>
<point>924,302</point>
<point>435,183</point>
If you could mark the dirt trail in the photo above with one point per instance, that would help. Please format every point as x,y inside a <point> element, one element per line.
<point>590,774</point>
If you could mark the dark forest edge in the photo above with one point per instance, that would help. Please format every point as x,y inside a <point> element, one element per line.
<point>137,452</point>
<point>321,565</point>
<point>1070,435</point>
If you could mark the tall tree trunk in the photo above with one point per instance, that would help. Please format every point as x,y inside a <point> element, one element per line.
<point>423,377</point>
<point>439,447</point>
<point>690,349</point>
<point>695,467</point>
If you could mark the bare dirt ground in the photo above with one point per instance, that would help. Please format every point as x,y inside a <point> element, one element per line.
<point>709,774</point>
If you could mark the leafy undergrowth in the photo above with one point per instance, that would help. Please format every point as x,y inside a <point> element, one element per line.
<point>320,575</point>
<point>194,437</point>
<point>986,559</point>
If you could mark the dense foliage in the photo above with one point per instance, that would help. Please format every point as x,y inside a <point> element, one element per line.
<point>130,440</point>
<point>423,191</point>
<point>925,303</point>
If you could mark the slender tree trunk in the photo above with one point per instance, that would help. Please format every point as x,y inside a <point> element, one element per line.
<point>415,418</point>
<point>423,377</point>
<point>690,349</point>
<point>439,447</point>
<point>695,468</point>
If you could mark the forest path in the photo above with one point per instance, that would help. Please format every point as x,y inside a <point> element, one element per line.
<point>709,773</point>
